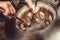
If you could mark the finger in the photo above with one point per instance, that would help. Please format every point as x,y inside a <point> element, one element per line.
<point>6,11</point>
<point>36,9</point>
<point>33,8</point>
<point>12,10</point>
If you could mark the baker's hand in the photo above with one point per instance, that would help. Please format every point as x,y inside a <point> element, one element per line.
<point>9,9</point>
<point>32,6</point>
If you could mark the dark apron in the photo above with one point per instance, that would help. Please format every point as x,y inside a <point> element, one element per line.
<point>10,31</point>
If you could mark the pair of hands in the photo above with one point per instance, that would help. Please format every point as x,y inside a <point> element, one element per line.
<point>10,12</point>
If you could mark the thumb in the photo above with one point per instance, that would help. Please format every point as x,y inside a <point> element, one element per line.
<point>33,8</point>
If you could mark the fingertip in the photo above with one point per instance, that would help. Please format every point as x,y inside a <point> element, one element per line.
<point>5,14</point>
<point>14,10</point>
<point>36,9</point>
<point>10,17</point>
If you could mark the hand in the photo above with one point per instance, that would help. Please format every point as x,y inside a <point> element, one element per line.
<point>9,9</point>
<point>32,6</point>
